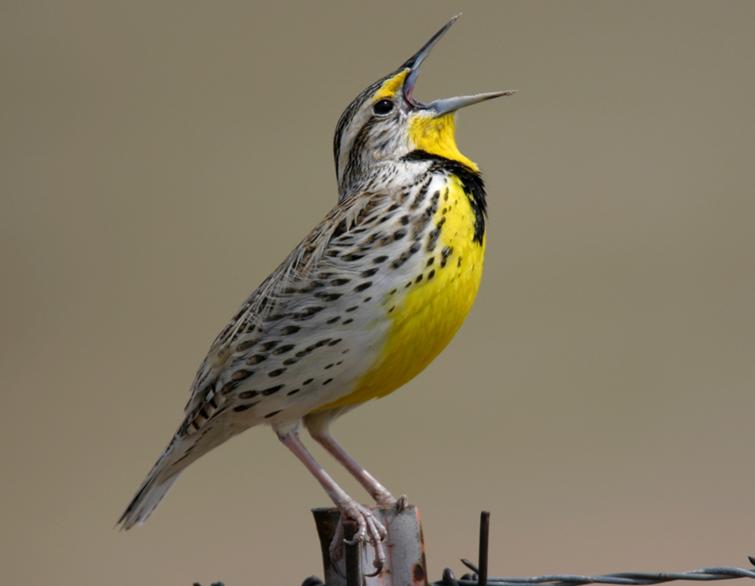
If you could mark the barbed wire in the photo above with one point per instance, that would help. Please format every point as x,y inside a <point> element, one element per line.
<point>620,578</point>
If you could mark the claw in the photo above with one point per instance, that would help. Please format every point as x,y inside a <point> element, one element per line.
<point>369,530</point>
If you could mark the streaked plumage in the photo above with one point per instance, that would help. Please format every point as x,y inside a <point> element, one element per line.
<point>361,305</point>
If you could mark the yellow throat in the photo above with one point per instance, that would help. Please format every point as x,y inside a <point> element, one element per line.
<point>437,135</point>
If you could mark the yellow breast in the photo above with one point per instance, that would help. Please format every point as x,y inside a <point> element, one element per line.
<point>434,307</point>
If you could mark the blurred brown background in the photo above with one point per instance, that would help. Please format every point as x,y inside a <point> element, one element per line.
<point>158,160</point>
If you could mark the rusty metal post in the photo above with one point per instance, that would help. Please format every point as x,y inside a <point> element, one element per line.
<point>404,547</point>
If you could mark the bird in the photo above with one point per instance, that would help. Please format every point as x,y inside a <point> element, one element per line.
<point>360,307</point>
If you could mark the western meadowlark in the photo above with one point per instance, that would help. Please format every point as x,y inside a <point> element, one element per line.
<point>362,304</point>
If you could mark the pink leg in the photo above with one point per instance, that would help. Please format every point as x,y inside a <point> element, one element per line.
<point>368,527</point>
<point>368,481</point>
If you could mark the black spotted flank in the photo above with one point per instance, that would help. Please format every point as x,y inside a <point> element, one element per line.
<point>272,414</point>
<point>370,272</point>
<point>404,256</point>
<point>363,286</point>
<point>380,259</point>
<point>288,330</point>
<point>293,392</point>
<point>320,343</point>
<point>241,408</point>
<point>276,372</point>
<point>309,380</point>
<point>283,349</point>
<point>241,374</point>
<point>256,359</point>
<point>248,394</point>
<point>339,282</point>
<point>246,344</point>
<point>272,390</point>
<point>308,312</point>
<point>229,386</point>
<point>327,296</point>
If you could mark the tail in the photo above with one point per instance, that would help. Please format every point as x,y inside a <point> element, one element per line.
<point>159,480</point>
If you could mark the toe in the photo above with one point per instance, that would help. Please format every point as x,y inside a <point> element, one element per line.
<point>369,529</point>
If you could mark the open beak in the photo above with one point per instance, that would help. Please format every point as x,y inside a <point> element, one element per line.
<point>446,105</point>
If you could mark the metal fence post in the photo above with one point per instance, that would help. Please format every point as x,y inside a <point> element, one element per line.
<point>404,547</point>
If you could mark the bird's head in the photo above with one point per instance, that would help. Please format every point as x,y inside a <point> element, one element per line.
<point>385,122</point>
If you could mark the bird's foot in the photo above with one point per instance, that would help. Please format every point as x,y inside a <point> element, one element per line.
<point>385,500</point>
<point>369,530</point>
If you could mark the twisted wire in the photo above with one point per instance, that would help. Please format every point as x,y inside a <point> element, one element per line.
<point>621,578</point>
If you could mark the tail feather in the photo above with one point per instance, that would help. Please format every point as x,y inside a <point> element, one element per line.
<point>159,480</point>
<point>181,452</point>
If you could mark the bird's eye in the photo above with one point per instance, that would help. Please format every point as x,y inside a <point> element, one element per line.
<point>383,107</point>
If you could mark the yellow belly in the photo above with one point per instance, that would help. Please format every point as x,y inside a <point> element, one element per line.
<point>429,315</point>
